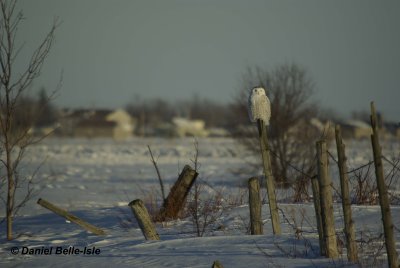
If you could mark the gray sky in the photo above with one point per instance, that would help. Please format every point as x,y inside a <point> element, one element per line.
<point>111,51</point>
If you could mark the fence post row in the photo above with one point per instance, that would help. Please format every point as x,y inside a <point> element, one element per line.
<point>383,193</point>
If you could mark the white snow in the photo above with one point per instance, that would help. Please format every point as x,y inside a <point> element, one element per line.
<point>96,179</point>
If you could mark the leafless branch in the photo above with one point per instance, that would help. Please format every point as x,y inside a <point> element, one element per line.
<point>158,173</point>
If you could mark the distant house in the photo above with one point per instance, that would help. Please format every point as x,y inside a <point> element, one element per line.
<point>356,129</point>
<point>124,124</point>
<point>116,124</point>
<point>392,129</point>
<point>327,128</point>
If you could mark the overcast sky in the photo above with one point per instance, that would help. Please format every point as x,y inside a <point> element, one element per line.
<point>112,51</point>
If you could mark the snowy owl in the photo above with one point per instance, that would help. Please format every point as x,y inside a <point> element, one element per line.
<point>259,106</point>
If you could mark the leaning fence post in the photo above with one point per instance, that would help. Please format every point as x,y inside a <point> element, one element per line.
<point>256,226</point>
<point>383,193</point>
<point>63,213</point>
<point>317,206</point>
<point>273,208</point>
<point>325,184</point>
<point>143,218</point>
<point>346,204</point>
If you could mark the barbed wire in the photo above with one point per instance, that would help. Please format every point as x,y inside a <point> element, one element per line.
<point>395,166</point>
<point>294,167</point>
<point>360,167</point>
<point>292,225</point>
<point>353,170</point>
<point>332,157</point>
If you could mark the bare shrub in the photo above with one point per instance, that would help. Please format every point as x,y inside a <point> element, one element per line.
<point>299,222</point>
<point>364,187</point>
<point>204,209</point>
<point>392,178</point>
<point>371,249</point>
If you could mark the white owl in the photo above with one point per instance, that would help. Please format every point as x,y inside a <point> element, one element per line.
<point>259,106</point>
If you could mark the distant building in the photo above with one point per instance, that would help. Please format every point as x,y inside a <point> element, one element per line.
<point>116,124</point>
<point>392,129</point>
<point>327,128</point>
<point>125,124</point>
<point>356,129</point>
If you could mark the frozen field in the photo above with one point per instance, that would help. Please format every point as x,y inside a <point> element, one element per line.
<point>96,179</point>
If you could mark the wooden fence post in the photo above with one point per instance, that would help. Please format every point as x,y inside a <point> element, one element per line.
<point>349,231</point>
<point>177,196</point>
<point>325,184</point>
<point>256,226</point>
<point>273,208</point>
<point>63,213</point>
<point>383,193</point>
<point>143,218</point>
<point>317,206</point>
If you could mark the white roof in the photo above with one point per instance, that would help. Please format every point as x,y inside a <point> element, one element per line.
<point>357,123</point>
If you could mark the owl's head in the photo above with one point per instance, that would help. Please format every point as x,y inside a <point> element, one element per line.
<point>258,91</point>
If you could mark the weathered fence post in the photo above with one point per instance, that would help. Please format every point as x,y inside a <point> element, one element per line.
<point>325,184</point>
<point>177,196</point>
<point>273,208</point>
<point>349,231</point>
<point>143,218</point>
<point>383,193</point>
<point>317,206</point>
<point>63,213</point>
<point>256,226</point>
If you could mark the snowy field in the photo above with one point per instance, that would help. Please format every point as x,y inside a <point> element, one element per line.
<point>96,179</point>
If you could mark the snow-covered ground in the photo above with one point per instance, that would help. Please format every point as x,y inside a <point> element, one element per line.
<point>96,179</point>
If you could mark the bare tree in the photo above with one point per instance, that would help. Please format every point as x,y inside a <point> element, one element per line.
<point>213,113</point>
<point>46,114</point>
<point>291,135</point>
<point>150,113</point>
<point>15,137</point>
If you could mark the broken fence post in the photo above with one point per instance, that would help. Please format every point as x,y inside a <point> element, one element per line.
<point>176,199</point>
<point>63,213</point>
<point>143,218</point>
<point>256,226</point>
